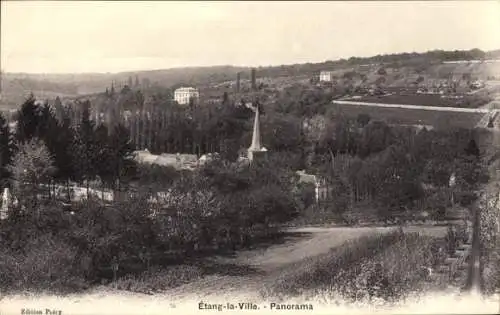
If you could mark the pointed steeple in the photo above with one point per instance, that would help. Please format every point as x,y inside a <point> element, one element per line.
<point>256,145</point>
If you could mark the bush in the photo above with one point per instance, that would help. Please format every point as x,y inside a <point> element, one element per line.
<point>397,271</point>
<point>490,239</point>
<point>250,201</point>
<point>318,214</point>
<point>21,225</point>
<point>158,279</point>
<point>323,272</point>
<point>46,264</point>
<point>121,230</point>
<point>306,195</point>
<point>491,272</point>
<point>452,240</point>
<point>392,261</point>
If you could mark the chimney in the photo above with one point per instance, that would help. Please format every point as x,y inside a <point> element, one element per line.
<point>254,85</point>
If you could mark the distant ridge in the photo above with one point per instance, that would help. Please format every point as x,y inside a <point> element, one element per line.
<point>16,86</point>
<point>432,55</point>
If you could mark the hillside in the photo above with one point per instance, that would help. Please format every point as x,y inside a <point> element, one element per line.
<point>400,70</point>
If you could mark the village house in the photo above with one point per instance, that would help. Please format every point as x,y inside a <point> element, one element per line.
<point>177,161</point>
<point>184,95</point>
<point>321,190</point>
<point>326,76</point>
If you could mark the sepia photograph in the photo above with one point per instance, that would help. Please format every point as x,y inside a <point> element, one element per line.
<point>249,157</point>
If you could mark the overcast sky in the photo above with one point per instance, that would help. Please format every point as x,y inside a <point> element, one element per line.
<point>99,36</point>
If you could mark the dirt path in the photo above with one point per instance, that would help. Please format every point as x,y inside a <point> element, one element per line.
<point>257,265</point>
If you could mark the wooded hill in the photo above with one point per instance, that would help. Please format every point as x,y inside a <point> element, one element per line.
<point>17,86</point>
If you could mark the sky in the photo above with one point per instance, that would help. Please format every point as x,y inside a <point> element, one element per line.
<point>100,36</point>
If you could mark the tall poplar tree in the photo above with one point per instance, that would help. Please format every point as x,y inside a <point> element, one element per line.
<point>5,150</point>
<point>27,120</point>
<point>85,148</point>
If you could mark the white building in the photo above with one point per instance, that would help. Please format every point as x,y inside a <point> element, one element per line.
<point>184,94</point>
<point>178,161</point>
<point>321,189</point>
<point>326,76</point>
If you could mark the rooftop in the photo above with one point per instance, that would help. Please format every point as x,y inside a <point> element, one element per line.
<point>178,161</point>
<point>184,88</point>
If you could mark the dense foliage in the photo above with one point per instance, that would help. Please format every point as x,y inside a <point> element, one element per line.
<point>80,151</point>
<point>170,215</point>
<point>388,267</point>
<point>213,209</point>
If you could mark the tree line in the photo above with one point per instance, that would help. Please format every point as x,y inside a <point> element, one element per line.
<point>79,151</point>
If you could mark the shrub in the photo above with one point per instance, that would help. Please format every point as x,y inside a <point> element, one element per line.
<point>490,239</point>
<point>382,71</point>
<point>158,279</point>
<point>393,261</point>
<point>121,230</point>
<point>452,240</point>
<point>401,268</point>
<point>318,214</point>
<point>21,226</point>
<point>491,272</point>
<point>325,270</point>
<point>306,195</point>
<point>46,264</point>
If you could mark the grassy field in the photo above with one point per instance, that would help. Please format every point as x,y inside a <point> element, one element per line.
<point>404,116</point>
<point>417,99</point>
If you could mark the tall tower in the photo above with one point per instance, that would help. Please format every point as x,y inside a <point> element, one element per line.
<point>256,150</point>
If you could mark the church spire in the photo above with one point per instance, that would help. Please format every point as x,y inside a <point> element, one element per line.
<point>256,145</point>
